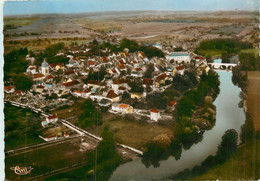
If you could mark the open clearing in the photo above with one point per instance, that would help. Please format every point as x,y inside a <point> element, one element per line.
<point>254,97</point>
<point>244,164</point>
<point>133,133</point>
<point>60,156</point>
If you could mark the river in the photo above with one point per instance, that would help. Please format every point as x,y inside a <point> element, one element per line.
<point>228,116</point>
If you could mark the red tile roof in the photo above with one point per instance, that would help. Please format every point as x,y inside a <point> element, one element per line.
<point>121,62</point>
<point>154,111</point>
<point>68,84</point>
<point>40,86</point>
<point>148,81</point>
<point>31,68</point>
<point>52,117</point>
<point>93,82</point>
<point>172,103</point>
<point>181,67</point>
<point>104,59</point>
<point>121,66</point>
<point>53,65</point>
<point>49,77</point>
<point>111,94</point>
<point>161,77</point>
<point>121,81</point>
<point>138,69</point>
<point>199,57</point>
<point>8,87</point>
<point>123,106</point>
<point>17,92</point>
<point>121,88</point>
<point>69,72</point>
<point>38,75</point>
<point>91,63</point>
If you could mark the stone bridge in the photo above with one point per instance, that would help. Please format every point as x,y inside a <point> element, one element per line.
<point>222,66</point>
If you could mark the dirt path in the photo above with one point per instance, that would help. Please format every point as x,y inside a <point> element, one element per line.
<point>254,97</point>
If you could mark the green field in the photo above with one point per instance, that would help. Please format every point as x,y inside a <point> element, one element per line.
<point>244,164</point>
<point>20,127</point>
<point>17,22</point>
<point>255,51</point>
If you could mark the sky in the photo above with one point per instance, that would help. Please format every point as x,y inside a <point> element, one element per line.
<point>12,7</point>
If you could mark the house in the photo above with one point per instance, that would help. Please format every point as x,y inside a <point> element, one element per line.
<point>155,114</point>
<point>141,55</point>
<point>57,66</point>
<point>180,69</point>
<point>44,123</point>
<point>199,58</point>
<point>104,102</point>
<point>8,89</point>
<point>39,88</point>
<point>158,45</point>
<point>136,95</point>
<point>203,67</point>
<point>171,105</point>
<point>118,83</point>
<point>91,64</point>
<point>94,84</point>
<point>52,119</point>
<point>71,84</point>
<point>84,94</point>
<point>50,138</point>
<point>49,78</point>
<point>121,67</point>
<point>112,96</point>
<point>179,57</point>
<point>160,79</point>
<point>147,82</point>
<point>38,78</point>
<point>66,135</point>
<point>122,108</point>
<point>31,69</point>
<point>17,92</point>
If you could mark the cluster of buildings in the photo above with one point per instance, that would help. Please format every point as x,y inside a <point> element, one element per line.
<point>120,70</point>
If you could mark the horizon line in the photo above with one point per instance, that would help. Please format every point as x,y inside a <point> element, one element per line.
<point>92,12</point>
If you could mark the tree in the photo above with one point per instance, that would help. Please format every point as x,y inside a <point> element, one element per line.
<point>22,82</point>
<point>228,144</point>
<point>136,86</point>
<point>149,71</point>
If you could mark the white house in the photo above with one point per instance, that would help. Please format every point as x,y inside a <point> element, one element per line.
<point>122,108</point>
<point>52,119</point>
<point>179,57</point>
<point>155,115</point>
<point>31,69</point>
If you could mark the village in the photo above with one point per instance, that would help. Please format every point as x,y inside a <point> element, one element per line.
<point>124,76</point>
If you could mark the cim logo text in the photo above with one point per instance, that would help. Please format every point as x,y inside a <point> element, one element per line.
<point>21,170</point>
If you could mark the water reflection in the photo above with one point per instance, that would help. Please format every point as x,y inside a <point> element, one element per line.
<point>228,116</point>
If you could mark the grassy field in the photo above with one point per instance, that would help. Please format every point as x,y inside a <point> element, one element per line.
<point>255,51</point>
<point>16,22</point>
<point>98,25</point>
<point>133,133</point>
<point>40,44</point>
<point>70,111</point>
<point>244,164</point>
<point>254,97</point>
<point>46,159</point>
<point>211,53</point>
<point>19,127</point>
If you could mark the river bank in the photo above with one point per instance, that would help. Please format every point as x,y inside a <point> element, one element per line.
<point>229,116</point>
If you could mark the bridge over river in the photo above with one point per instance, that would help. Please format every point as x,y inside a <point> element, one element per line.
<point>222,66</point>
